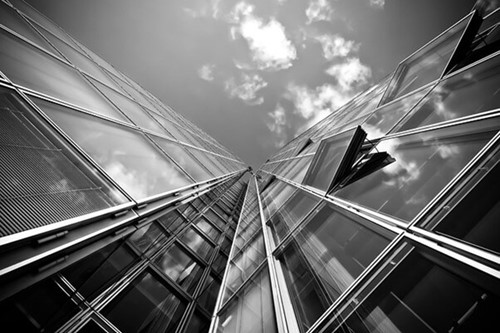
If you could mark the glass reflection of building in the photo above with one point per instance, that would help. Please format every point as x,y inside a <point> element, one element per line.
<point>117,214</point>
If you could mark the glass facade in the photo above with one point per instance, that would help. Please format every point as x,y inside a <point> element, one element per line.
<point>119,215</point>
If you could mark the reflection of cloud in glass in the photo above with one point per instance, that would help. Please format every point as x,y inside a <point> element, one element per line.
<point>402,171</point>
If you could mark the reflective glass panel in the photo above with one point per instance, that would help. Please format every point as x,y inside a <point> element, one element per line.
<point>145,306</point>
<point>197,243</point>
<point>25,65</point>
<point>427,64</point>
<point>328,159</point>
<point>126,155</point>
<point>180,267</point>
<point>291,213</point>
<point>336,249</point>
<point>420,296</point>
<point>252,310</point>
<point>149,238</point>
<point>94,273</point>
<point>425,163</point>
<point>208,229</point>
<point>209,294</point>
<point>469,92</point>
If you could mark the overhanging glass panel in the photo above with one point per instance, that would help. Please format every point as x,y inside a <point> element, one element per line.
<point>424,163</point>
<point>428,63</point>
<point>334,158</point>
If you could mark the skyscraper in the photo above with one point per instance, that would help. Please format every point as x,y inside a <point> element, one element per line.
<point>119,215</point>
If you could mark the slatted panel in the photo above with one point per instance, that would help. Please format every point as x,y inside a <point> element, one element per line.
<point>39,185</point>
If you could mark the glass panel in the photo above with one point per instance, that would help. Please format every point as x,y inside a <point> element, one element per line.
<point>126,155</point>
<point>479,225</point>
<point>145,306</point>
<point>209,294</point>
<point>275,197</point>
<point>427,64</point>
<point>328,160</point>
<point>94,273</point>
<point>420,296</point>
<point>425,163</point>
<point>291,213</point>
<point>385,117</point>
<point>180,267</point>
<point>301,169</point>
<point>130,108</point>
<point>198,324</point>
<point>41,308</point>
<point>186,161</point>
<point>172,221</point>
<point>469,92</point>
<point>15,22</point>
<point>219,263</point>
<point>336,250</point>
<point>197,243</point>
<point>252,310</point>
<point>149,238</point>
<point>34,162</point>
<point>208,229</point>
<point>25,65</point>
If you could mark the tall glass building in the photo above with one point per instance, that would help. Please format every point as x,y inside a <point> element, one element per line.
<point>119,215</point>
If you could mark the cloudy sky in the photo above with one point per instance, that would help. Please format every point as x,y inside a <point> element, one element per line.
<point>254,73</point>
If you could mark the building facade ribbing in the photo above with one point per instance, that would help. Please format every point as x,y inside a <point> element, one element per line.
<point>119,215</point>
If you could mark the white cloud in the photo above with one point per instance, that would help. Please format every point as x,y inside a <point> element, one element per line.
<point>206,72</point>
<point>315,104</point>
<point>377,3</point>
<point>318,10</point>
<point>268,43</point>
<point>277,125</point>
<point>246,88</point>
<point>350,74</point>
<point>206,9</point>
<point>336,46</point>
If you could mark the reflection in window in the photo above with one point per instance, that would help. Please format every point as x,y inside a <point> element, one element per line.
<point>197,243</point>
<point>95,272</point>
<point>251,310</point>
<point>479,225</point>
<point>427,64</point>
<point>291,213</point>
<point>124,154</point>
<point>382,120</point>
<point>337,250</point>
<point>145,306</point>
<point>35,164</point>
<point>180,267</point>
<point>208,229</point>
<point>25,65</point>
<point>209,294</point>
<point>41,308</point>
<point>335,155</point>
<point>420,296</point>
<point>467,93</point>
<point>425,163</point>
<point>149,238</point>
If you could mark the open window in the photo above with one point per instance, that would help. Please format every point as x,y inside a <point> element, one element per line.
<point>344,158</point>
<point>435,59</point>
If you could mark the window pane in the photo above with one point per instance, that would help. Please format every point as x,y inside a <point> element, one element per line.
<point>252,310</point>
<point>479,225</point>
<point>126,155</point>
<point>41,308</point>
<point>420,296</point>
<point>25,65</point>
<point>197,243</point>
<point>149,238</point>
<point>382,120</point>
<point>425,163</point>
<point>35,163</point>
<point>180,267</point>
<point>292,213</point>
<point>145,306</point>
<point>427,64</point>
<point>473,91</point>
<point>328,160</point>
<point>209,294</point>
<point>208,229</point>
<point>93,274</point>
